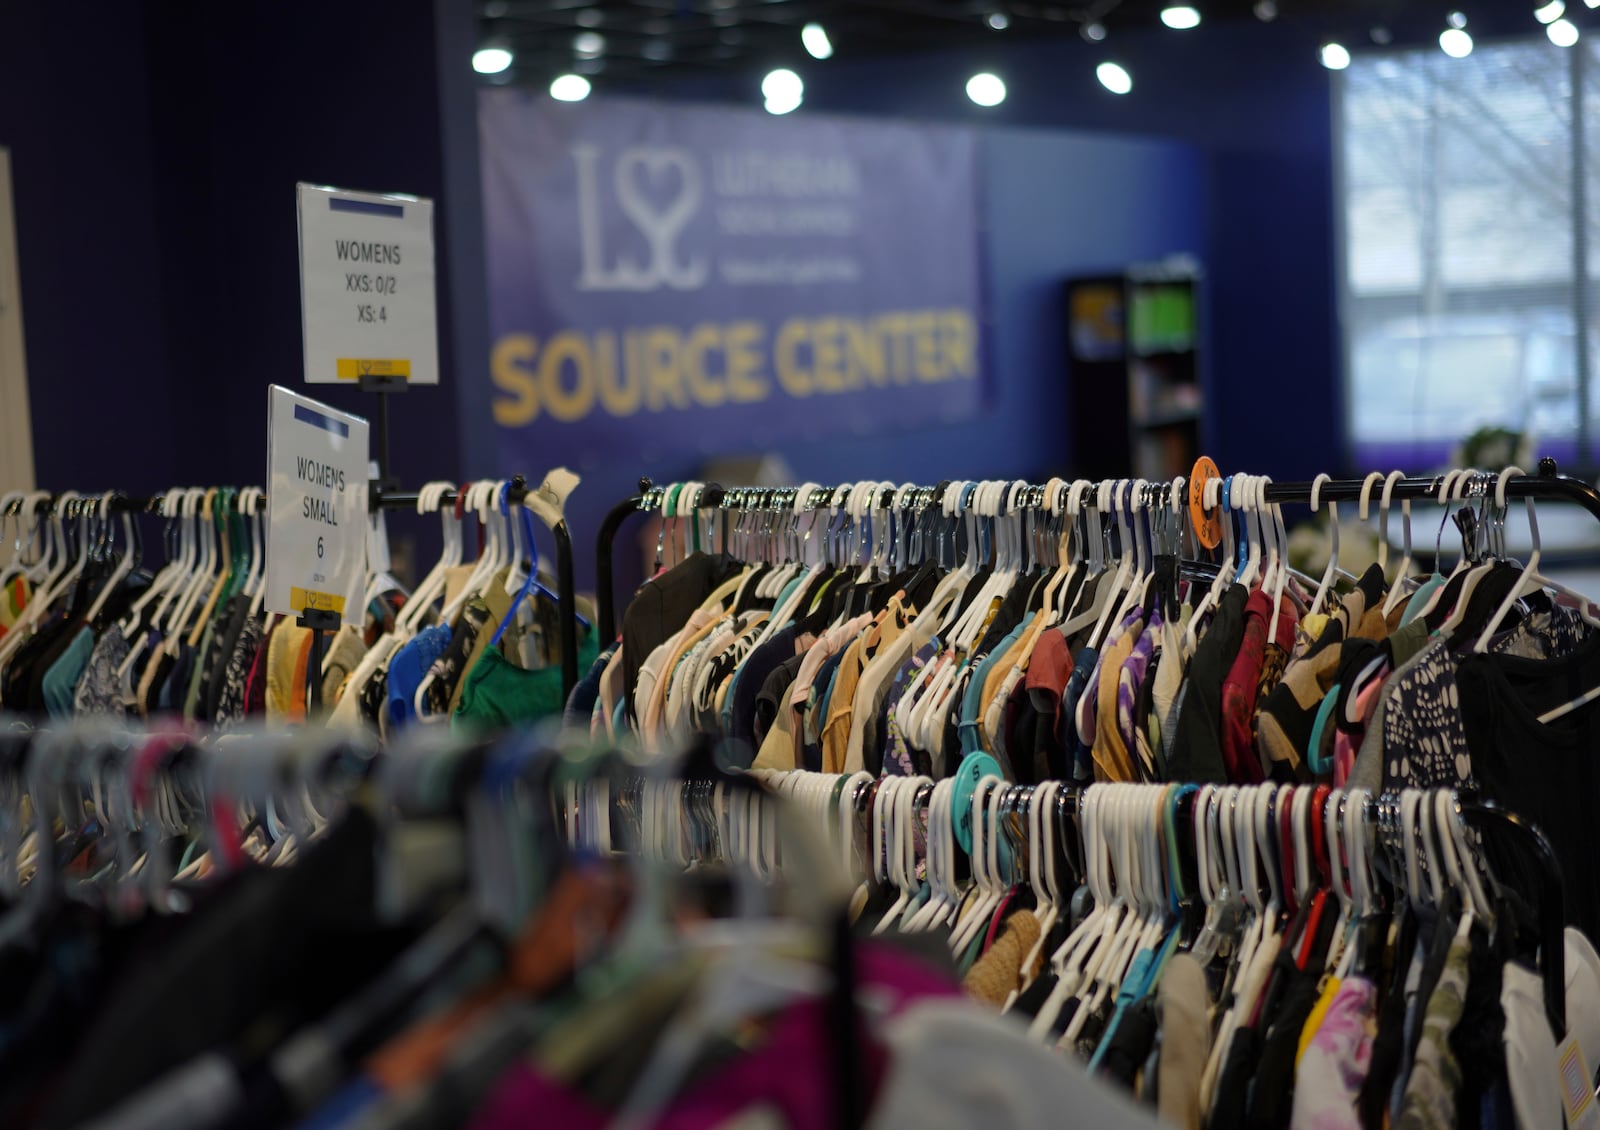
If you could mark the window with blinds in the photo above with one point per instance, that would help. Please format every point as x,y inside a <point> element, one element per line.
<point>1464,184</point>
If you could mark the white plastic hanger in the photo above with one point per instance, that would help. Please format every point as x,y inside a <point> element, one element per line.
<point>1073,960</point>
<point>1402,585</point>
<point>1214,495</point>
<point>188,557</point>
<point>1475,573</point>
<point>1242,496</point>
<point>1325,586</point>
<point>1530,580</point>
<point>1041,873</point>
<point>1448,494</point>
<point>430,499</point>
<point>124,563</point>
<point>22,542</point>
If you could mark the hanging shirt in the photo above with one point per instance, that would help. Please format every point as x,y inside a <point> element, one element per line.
<point>98,692</point>
<point>61,680</point>
<point>1330,1072</point>
<point>1131,678</point>
<point>1547,773</point>
<point>663,604</point>
<point>408,667</point>
<point>13,600</point>
<point>1429,1102</point>
<point>1197,742</point>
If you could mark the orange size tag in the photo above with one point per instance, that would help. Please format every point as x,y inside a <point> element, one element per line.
<point>1207,527</point>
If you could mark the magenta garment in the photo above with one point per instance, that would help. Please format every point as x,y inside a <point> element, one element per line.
<point>790,1072</point>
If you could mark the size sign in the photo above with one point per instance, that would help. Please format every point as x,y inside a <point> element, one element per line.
<point>366,286</point>
<point>317,507</point>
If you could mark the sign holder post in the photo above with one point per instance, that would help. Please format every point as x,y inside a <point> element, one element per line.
<point>381,387</point>
<point>318,620</point>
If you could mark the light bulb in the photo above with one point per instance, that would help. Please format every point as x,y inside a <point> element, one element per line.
<point>1456,19</point>
<point>1551,12</point>
<point>999,21</point>
<point>1180,17</point>
<point>986,89</point>
<point>1335,56</point>
<point>588,44</point>
<point>816,41</point>
<point>490,60</point>
<point>1266,10</point>
<point>782,90</point>
<point>1455,43</point>
<point>1095,32</point>
<point>569,88</point>
<point>1114,77</point>
<point>782,85</point>
<point>1563,33</point>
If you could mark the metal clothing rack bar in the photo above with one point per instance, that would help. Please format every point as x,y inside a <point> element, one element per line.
<point>566,577</point>
<point>1549,484</point>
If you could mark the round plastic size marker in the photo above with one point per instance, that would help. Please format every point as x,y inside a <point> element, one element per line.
<point>974,768</point>
<point>1207,526</point>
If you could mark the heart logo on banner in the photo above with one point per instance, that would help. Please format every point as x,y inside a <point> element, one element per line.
<point>641,176</point>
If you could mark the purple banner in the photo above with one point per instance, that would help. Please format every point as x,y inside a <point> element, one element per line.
<point>670,279</point>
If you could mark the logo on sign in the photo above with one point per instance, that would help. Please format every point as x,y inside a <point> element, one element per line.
<point>659,189</point>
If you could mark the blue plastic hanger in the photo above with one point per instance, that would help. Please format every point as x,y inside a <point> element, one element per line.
<point>531,583</point>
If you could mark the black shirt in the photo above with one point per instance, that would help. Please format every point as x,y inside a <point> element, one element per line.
<point>662,606</point>
<point>1197,744</point>
<point>1548,773</point>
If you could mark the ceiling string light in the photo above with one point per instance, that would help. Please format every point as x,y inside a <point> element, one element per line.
<point>569,88</point>
<point>986,89</point>
<point>815,39</point>
<point>491,60</point>
<point>1454,40</point>
<point>999,21</point>
<point>1180,17</point>
<point>1335,56</point>
<point>1551,12</point>
<point>1563,33</point>
<point>1114,77</point>
<point>783,91</point>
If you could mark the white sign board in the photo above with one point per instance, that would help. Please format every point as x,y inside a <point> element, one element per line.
<point>317,507</point>
<point>366,286</point>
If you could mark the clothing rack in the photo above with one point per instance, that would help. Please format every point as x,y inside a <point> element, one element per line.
<point>566,578</point>
<point>77,506</point>
<point>1382,813</point>
<point>1548,485</point>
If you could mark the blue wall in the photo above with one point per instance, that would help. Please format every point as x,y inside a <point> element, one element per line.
<point>1256,103</point>
<point>154,184</point>
<point>85,196</point>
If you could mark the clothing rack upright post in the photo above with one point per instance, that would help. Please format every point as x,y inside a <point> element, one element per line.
<point>605,566</point>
